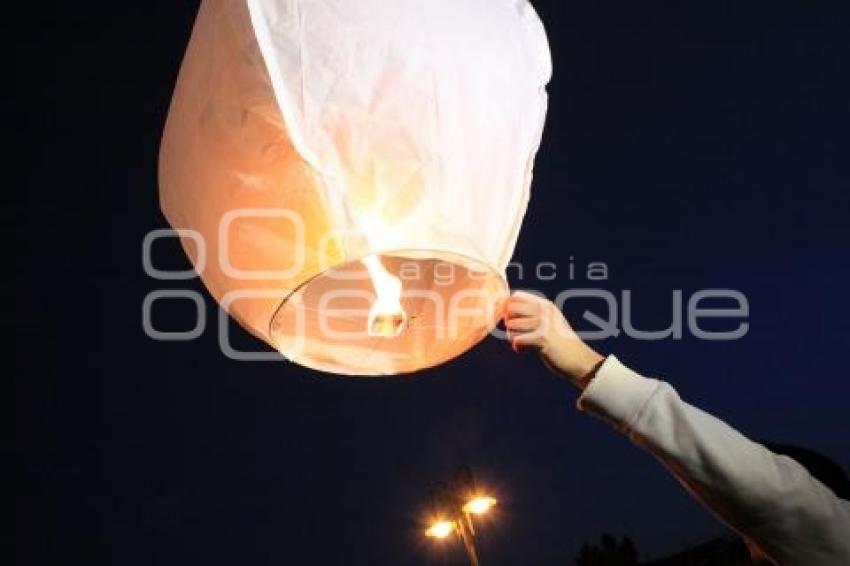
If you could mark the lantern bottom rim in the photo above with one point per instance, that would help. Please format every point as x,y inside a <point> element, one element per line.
<point>452,302</point>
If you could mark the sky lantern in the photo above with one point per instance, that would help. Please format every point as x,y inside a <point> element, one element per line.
<point>350,177</point>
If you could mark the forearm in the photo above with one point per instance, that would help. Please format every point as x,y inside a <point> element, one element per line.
<point>769,499</point>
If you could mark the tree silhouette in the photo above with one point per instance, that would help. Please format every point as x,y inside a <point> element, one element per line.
<point>609,552</point>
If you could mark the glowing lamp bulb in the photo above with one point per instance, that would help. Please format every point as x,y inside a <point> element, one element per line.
<point>387,318</point>
<point>440,529</point>
<point>479,505</point>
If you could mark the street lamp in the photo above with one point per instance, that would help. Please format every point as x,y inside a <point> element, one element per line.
<point>454,506</point>
<point>479,505</point>
<point>440,528</point>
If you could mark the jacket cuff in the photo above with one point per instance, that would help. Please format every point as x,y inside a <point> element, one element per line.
<point>617,394</point>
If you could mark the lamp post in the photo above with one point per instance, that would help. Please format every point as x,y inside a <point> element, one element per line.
<point>454,506</point>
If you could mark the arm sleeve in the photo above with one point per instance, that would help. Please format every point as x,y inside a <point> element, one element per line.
<point>770,500</point>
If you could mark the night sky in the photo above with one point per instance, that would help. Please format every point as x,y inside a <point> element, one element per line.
<point>689,145</point>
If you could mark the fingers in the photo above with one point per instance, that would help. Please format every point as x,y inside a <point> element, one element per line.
<point>524,341</point>
<point>526,320</point>
<point>518,310</point>
<point>526,296</point>
<point>521,304</point>
<point>531,330</point>
<point>522,324</point>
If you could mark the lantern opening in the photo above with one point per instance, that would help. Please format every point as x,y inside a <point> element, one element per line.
<point>387,317</point>
<point>448,303</point>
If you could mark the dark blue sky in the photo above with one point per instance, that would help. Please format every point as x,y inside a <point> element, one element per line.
<point>689,145</point>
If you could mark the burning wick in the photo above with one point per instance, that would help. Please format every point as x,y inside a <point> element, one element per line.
<point>386,317</point>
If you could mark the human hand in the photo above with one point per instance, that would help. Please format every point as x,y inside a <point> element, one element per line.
<point>534,322</point>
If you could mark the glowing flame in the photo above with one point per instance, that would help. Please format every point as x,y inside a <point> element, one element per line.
<point>440,529</point>
<point>386,317</point>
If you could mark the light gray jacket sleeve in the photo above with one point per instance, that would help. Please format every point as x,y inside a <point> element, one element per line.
<point>770,500</point>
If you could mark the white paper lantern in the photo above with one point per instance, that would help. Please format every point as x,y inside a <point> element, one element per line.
<point>357,169</point>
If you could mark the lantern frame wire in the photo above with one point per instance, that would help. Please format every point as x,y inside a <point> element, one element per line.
<point>461,339</point>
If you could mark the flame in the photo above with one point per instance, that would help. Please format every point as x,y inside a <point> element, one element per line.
<point>386,317</point>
